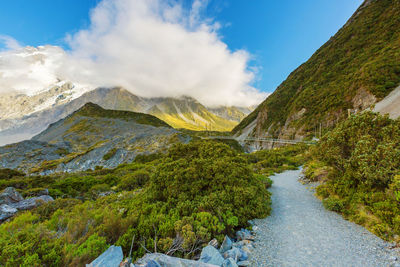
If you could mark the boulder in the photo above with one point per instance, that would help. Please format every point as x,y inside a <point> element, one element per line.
<point>152,264</point>
<point>243,263</point>
<point>110,258</point>
<point>229,263</point>
<point>43,192</point>
<point>237,254</point>
<point>226,245</point>
<point>6,212</point>
<point>243,243</point>
<point>11,201</point>
<point>31,203</point>
<point>168,261</point>
<point>246,249</point>
<point>9,196</point>
<point>214,243</point>
<point>243,255</point>
<point>211,255</point>
<point>233,253</point>
<point>244,234</point>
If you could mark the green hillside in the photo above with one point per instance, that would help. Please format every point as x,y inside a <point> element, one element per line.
<point>354,69</point>
<point>91,137</point>
<point>95,111</point>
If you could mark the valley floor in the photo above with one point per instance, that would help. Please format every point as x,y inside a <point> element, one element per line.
<point>301,232</point>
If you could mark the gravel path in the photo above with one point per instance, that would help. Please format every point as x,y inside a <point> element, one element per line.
<point>300,232</point>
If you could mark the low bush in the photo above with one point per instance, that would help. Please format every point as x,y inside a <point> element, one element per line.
<point>333,204</point>
<point>277,160</point>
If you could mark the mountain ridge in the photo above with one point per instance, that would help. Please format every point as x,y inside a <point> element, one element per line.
<point>182,112</point>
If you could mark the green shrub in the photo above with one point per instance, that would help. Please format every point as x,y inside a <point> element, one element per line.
<point>277,160</point>
<point>323,191</point>
<point>362,158</point>
<point>110,153</point>
<point>145,158</point>
<point>134,180</point>
<point>196,191</point>
<point>6,174</point>
<point>333,204</point>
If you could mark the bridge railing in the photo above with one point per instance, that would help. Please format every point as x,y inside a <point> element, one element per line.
<point>264,139</point>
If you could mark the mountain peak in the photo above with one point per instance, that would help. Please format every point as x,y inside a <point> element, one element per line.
<point>95,111</point>
<point>89,108</point>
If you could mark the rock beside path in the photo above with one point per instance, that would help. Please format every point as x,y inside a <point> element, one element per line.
<point>110,258</point>
<point>162,260</point>
<point>230,254</point>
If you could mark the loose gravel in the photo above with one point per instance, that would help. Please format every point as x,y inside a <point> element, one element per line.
<point>301,232</point>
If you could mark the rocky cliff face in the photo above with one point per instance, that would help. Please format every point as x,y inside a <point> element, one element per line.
<point>355,69</point>
<point>90,137</point>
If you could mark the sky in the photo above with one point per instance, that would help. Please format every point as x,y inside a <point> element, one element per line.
<point>219,51</point>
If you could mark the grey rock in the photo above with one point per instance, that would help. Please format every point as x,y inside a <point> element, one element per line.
<point>242,243</point>
<point>44,192</point>
<point>152,263</point>
<point>31,203</point>
<point>243,263</point>
<point>234,253</point>
<point>6,212</point>
<point>211,255</point>
<point>9,196</point>
<point>214,243</point>
<point>226,245</point>
<point>107,193</point>
<point>229,263</point>
<point>246,250</point>
<point>110,258</point>
<point>243,255</point>
<point>168,261</point>
<point>244,234</point>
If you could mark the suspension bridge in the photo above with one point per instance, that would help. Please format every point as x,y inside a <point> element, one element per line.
<point>263,139</point>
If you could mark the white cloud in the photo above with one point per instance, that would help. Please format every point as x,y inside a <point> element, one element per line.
<point>152,48</point>
<point>30,69</point>
<point>9,42</point>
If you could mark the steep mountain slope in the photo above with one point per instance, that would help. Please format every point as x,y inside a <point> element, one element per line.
<point>232,113</point>
<point>15,105</point>
<point>183,112</point>
<point>186,112</point>
<point>90,137</point>
<point>357,67</point>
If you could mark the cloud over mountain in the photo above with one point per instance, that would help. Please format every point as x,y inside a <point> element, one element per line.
<point>150,47</point>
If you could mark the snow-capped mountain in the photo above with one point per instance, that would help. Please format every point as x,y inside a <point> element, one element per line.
<point>24,116</point>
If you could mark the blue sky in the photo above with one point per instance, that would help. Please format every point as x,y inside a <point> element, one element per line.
<point>279,34</point>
